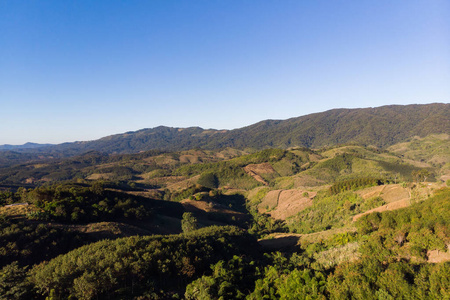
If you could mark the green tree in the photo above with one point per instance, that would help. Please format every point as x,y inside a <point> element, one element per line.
<point>227,281</point>
<point>13,282</point>
<point>421,175</point>
<point>440,281</point>
<point>305,284</point>
<point>97,187</point>
<point>188,222</point>
<point>208,180</point>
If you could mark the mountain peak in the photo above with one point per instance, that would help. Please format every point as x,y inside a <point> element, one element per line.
<point>379,126</point>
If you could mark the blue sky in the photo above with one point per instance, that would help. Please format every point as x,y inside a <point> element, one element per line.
<point>81,70</point>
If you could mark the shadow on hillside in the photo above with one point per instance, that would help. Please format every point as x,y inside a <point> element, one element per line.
<point>280,244</point>
<point>234,202</point>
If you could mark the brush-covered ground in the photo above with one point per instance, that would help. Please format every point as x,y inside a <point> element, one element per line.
<point>344,222</point>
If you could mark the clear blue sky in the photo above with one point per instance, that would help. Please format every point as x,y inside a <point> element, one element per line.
<point>81,70</point>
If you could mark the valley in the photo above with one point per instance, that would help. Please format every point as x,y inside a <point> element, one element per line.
<point>342,221</point>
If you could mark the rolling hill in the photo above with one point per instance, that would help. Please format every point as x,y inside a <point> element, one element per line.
<point>365,216</point>
<point>381,127</point>
<point>335,212</point>
<point>24,146</point>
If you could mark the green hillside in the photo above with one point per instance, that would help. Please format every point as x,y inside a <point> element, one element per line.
<point>338,222</point>
<point>388,256</point>
<point>380,126</point>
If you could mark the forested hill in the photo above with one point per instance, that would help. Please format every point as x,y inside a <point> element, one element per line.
<point>381,126</point>
<point>24,146</point>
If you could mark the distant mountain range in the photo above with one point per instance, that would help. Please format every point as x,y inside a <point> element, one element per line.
<point>24,146</point>
<point>381,127</point>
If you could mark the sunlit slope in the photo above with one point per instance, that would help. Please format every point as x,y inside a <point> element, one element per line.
<point>380,126</point>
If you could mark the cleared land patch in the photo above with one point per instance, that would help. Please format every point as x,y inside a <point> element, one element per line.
<point>389,193</point>
<point>438,256</point>
<point>255,170</point>
<point>281,204</point>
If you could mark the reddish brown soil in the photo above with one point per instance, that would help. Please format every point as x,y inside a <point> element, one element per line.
<point>255,170</point>
<point>281,204</point>
<point>438,256</point>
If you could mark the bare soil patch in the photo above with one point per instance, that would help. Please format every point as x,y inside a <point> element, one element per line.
<point>187,158</point>
<point>255,170</point>
<point>183,184</point>
<point>444,178</point>
<point>389,193</point>
<point>281,204</point>
<point>269,202</point>
<point>398,197</point>
<point>193,205</point>
<point>264,168</point>
<point>438,256</point>
<point>390,206</point>
<point>291,202</point>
